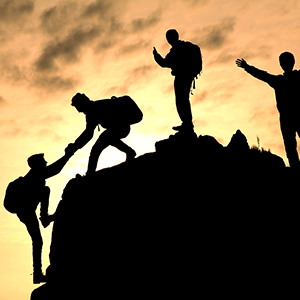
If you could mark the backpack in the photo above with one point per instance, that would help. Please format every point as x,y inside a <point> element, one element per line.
<point>193,58</point>
<point>117,110</point>
<point>186,59</point>
<point>14,194</point>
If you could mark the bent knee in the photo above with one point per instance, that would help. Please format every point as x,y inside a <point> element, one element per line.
<point>124,131</point>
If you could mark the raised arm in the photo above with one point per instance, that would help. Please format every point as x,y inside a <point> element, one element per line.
<point>257,73</point>
<point>163,62</point>
<point>241,63</point>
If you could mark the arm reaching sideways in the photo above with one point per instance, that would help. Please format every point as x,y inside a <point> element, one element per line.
<point>241,63</point>
<point>82,140</point>
<point>257,73</point>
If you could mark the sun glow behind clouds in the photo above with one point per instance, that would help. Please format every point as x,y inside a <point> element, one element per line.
<point>50,51</point>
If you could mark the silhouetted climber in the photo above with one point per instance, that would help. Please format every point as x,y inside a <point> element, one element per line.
<point>116,115</point>
<point>24,195</point>
<point>185,60</point>
<point>287,91</point>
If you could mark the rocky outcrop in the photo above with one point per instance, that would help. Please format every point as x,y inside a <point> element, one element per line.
<point>194,217</point>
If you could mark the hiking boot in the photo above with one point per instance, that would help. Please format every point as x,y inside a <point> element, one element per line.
<point>46,220</point>
<point>184,127</point>
<point>39,277</point>
<point>177,128</point>
<point>130,155</point>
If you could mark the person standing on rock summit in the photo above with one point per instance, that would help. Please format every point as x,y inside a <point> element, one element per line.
<point>287,94</point>
<point>185,60</point>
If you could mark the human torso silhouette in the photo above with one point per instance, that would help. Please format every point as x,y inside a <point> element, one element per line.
<point>180,59</point>
<point>286,86</point>
<point>287,90</point>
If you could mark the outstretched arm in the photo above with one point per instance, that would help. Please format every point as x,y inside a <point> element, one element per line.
<point>57,166</point>
<point>257,73</point>
<point>241,63</point>
<point>82,140</point>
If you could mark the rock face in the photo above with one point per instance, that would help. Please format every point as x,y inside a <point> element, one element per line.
<point>192,218</point>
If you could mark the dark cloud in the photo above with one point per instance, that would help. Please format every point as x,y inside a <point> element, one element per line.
<point>113,34</point>
<point>229,56</point>
<point>137,46</point>
<point>215,36</point>
<point>116,90</point>
<point>116,31</point>
<point>14,10</point>
<point>141,24</point>
<point>99,26</point>
<point>55,19</point>
<point>11,71</point>
<point>99,8</point>
<point>54,84</point>
<point>66,50</point>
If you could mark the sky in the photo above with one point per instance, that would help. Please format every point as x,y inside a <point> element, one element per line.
<point>50,50</point>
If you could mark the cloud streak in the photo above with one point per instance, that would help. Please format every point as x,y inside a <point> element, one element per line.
<point>54,83</point>
<point>215,36</point>
<point>67,50</point>
<point>14,10</point>
<point>227,55</point>
<point>57,19</point>
<point>141,24</point>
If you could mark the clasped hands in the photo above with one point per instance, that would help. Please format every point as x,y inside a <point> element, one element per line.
<point>70,149</point>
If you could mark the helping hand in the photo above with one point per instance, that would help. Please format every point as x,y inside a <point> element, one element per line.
<point>70,149</point>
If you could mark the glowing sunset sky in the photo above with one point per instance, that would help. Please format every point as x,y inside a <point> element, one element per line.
<point>50,50</point>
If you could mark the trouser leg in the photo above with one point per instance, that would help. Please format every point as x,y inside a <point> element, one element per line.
<point>45,202</point>
<point>32,224</point>
<point>130,153</point>
<point>182,88</point>
<point>109,137</point>
<point>120,145</point>
<point>103,142</point>
<point>290,143</point>
<point>117,135</point>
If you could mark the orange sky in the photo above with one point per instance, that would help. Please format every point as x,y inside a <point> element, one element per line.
<point>49,50</point>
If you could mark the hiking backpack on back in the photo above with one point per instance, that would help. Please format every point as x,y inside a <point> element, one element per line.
<point>185,59</point>
<point>13,195</point>
<point>194,58</point>
<point>119,110</point>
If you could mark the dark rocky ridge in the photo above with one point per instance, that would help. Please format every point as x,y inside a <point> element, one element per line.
<point>193,218</point>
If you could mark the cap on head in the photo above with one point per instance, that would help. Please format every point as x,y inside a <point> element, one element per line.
<point>172,36</point>
<point>36,161</point>
<point>287,61</point>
